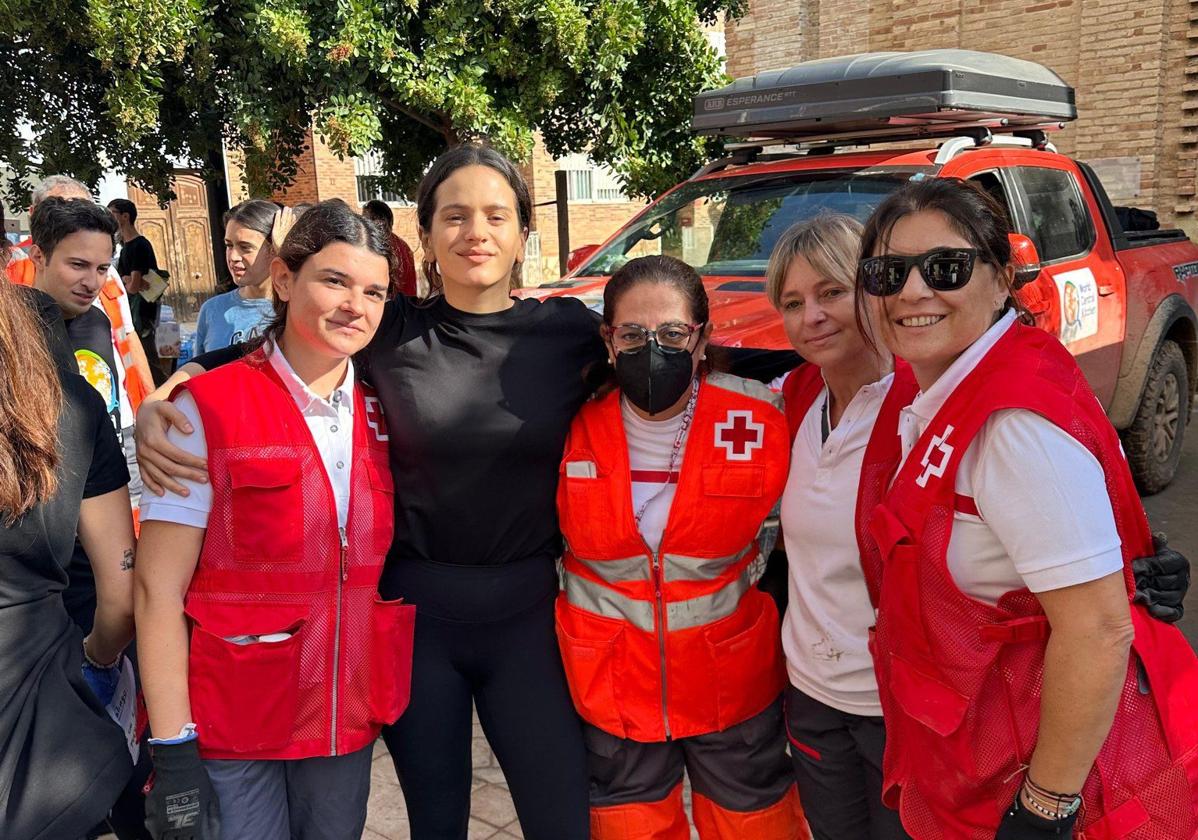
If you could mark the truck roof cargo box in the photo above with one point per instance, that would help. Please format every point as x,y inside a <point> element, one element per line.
<point>932,92</point>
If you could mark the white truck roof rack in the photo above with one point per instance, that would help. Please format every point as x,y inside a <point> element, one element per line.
<point>891,96</point>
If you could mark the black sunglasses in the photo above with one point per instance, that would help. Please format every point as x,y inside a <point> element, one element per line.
<point>943,269</point>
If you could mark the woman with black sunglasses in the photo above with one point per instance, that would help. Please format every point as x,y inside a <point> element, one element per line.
<point>1024,695</point>
<point>671,653</point>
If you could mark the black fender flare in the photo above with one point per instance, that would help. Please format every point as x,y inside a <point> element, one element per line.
<point>1133,371</point>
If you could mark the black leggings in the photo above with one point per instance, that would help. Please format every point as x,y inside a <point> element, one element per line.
<point>509,665</point>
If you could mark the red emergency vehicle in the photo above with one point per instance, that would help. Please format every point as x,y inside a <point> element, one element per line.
<point>840,134</point>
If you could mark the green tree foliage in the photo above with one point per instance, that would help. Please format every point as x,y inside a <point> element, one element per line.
<point>132,83</point>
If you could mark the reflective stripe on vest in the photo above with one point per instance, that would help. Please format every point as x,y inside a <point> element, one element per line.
<point>594,597</point>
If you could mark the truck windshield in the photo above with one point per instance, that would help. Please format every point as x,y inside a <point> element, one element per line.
<point>728,226</point>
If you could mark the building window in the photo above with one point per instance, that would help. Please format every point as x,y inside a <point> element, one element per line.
<point>371,178</point>
<point>586,181</point>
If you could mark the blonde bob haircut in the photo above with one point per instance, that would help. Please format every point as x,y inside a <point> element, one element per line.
<point>831,242</point>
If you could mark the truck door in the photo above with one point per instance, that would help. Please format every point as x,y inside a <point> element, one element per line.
<point>1039,297</point>
<point>1081,271</point>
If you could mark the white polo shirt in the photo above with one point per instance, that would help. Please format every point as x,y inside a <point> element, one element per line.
<point>330,421</point>
<point>650,444</point>
<point>825,630</point>
<point>1045,519</point>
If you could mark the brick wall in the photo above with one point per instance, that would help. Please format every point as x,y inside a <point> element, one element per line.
<point>1127,60</point>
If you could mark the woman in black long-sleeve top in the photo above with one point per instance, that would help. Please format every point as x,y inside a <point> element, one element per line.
<point>62,759</point>
<point>479,389</point>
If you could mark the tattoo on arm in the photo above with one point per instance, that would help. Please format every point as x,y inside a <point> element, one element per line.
<point>127,560</point>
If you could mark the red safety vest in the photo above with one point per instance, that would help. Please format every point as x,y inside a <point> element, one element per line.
<point>275,561</point>
<point>800,390</point>
<point>960,679</point>
<point>680,642</point>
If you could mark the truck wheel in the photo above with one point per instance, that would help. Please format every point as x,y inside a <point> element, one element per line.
<point>1153,441</point>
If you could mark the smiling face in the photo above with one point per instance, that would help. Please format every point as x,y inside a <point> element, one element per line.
<point>930,329</point>
<point>818,315</point>
<point>242,245</point>
<point>475,236</point>
<point>75,270</point>
<point>335,300</point>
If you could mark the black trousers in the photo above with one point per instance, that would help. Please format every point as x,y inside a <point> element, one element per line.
<point>837,760</point>
<point>509,666</point>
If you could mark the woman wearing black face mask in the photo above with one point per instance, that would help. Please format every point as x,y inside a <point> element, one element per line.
<point>672,654</point>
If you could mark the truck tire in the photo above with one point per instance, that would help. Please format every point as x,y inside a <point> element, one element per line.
<point>1154,439</point>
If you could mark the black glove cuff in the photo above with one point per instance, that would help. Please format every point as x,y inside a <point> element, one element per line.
<point>1046,827</point>
<point>169,757</point>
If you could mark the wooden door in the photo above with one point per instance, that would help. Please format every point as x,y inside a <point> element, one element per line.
<point>182,238</point>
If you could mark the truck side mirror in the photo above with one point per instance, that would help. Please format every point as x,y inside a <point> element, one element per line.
<point>1025,259</point>
<point>580,255</point>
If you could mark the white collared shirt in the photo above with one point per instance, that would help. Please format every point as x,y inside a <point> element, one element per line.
<point>825,633</point>
<point>1045,516</point>
<point>330,421</point>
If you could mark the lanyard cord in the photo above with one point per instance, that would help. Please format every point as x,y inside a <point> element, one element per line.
<point>687,416</point>
<point>825,420</point>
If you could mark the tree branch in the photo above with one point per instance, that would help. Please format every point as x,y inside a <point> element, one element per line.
<point>443,128</point>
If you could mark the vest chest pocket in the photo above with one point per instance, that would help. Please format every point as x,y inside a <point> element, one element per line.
<point>382,501</point>
<point>267,510</point>
<point>586,506</point>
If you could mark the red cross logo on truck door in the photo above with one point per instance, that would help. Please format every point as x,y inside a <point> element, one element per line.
<point>739,435</point>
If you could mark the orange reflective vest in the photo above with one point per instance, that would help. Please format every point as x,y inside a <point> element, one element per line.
<point>21,272</point>
<point>679,642</point>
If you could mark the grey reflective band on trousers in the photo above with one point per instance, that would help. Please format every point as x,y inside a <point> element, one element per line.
<point>602,600</point>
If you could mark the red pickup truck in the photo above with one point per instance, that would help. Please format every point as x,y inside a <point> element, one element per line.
<point>1123,301</point>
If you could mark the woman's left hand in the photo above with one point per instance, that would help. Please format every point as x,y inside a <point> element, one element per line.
<point>1162,581</point>
<point>103,681</point>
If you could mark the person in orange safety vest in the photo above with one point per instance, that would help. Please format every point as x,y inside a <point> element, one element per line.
<point>672,653</point>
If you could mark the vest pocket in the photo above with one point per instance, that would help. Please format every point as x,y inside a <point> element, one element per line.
<point>267,510</point>
<point>244,694</point>
<point>727,481</point>
<point>746,651</point>
<point>382,492</point>
<point>392,626</point>
<point>590,648</point>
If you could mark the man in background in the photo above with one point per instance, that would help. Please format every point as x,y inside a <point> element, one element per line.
<point>134,263</point>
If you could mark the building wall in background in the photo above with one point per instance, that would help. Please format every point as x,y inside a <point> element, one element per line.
<point>1134,64</point>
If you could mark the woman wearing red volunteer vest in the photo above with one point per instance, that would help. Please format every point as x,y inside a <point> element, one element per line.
<point>833,713</point>
<point>1024,695</point>
<point>265,718</point>
<point>670,650</point>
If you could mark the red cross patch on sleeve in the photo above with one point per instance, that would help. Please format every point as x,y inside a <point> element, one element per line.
<point>739,435</point>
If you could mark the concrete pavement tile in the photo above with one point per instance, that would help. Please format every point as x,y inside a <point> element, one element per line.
<point>492,804</point>
<point>513,830</point>
<point>386,813</point>
<point>380,750</point>
<point>479,830</point>
<point>480,753</point>
<point>493,775</point>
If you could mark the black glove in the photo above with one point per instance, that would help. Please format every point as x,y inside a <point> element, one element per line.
<point>1018,823</point>
<point>1162,581</point>
<point>181,804</point>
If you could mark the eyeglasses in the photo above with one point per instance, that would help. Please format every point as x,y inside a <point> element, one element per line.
<point>943,269</point>
<point>671,338</point>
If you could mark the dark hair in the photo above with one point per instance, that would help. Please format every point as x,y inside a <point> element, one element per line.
<point>324,224</point>
<point>467,154</point>
<point>124,205</point>
<point>972,212</point>
<point>54,219</point>
<point>254,214</point>
<point>669,271</point>
<point>380,211</point>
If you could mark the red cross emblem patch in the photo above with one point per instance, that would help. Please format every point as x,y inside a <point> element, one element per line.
<point>374,418</point>
<point>738,435</point>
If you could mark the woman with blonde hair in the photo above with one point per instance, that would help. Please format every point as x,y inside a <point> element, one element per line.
<point>833,715</point>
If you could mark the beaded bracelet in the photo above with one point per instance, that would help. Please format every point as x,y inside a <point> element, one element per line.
<point>1063,805</point>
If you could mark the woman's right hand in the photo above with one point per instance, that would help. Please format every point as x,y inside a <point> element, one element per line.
<point>160,461</point>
